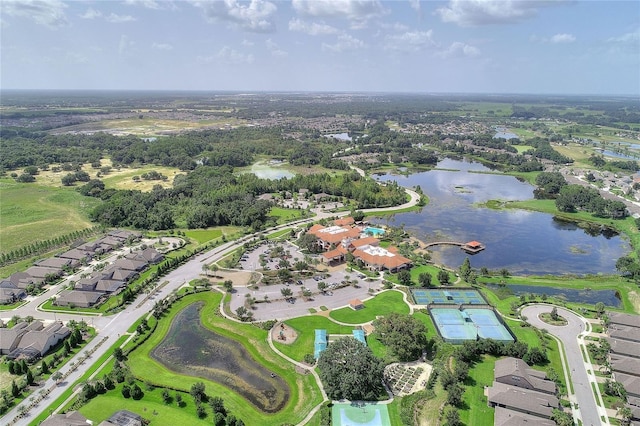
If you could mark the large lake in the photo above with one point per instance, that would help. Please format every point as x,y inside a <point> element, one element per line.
<point>523,242</point>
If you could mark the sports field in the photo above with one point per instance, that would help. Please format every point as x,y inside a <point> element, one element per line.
<point>360,413</point>
<point>456,326</point>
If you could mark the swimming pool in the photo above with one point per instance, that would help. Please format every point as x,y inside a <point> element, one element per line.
<point>376,232</point>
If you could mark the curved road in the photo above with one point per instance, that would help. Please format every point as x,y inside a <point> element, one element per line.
<point>578,371</point>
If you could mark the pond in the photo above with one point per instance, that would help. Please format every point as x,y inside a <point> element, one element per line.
<point>340,136</point>
<point>272,171</point>
<point>524,242</point>
<point>189,348</point>
<point>501,132</point>
<point>586,296</point>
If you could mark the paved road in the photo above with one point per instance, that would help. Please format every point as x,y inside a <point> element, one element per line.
<point>571,337</point>
<point>112,327</point>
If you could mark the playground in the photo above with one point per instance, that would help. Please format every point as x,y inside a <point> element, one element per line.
<point>360,414</point>
<point>283,334</point>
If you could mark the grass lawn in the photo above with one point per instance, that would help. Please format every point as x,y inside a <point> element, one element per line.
<point>304,392</point>
<point>283,215</point>
<point>384,303</point>
<point>476,412</point>
<point>203,235</point>
<point>123,178</point>
<point>522,148</point>
<point>305,327</point>
<point>417,270</point>
<point>32,212</point>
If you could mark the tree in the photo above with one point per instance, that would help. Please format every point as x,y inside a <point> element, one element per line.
<point>228,286</point>
<point>554,314</point>
<point>404,336</point>
<point>136,392</point>
<point>600,307</point>
<point>214,268</point>
<point>118,354</point>
<point>348,369</point>
<point>425,279</point>
<point>126,391</point>
<point>625,415</point>
<point>15,390</point>
<point>178,398</point>
<point>561,418</point>
<point>443,277</point>
<point>217,405</point>
<point>322,286</point>
<point>69,179</point>
<point>452,417</point>
<point>465,269</point>
<point>535,355</point>
<point>44,367</point>
<point>454,394</point>
<point>358,215</point>
<point>29,377</point>
<point>404,277</point>
<point>286,292</point>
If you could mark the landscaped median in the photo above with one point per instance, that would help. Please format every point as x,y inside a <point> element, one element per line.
<point>304,393</point>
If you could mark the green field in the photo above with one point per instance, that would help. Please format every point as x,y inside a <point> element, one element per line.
<point>31,212</point>
<point>305,327</point>
<point>283,215</point>
<point>476,411</point>
<point>383,304</point>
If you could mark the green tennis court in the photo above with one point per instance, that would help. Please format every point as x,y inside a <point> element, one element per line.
<point>359,414</point>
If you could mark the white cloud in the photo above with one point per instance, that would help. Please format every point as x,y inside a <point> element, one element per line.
<point>459,49</point>
<point>311,28</point>
<point>161,46</point>
<point>76,58</point>
<point>247,43</point>
<point>415,5</point>
<point>563,38</point>
<point>487,12</point>
<point>629,42</point>
<point>91,14</point>
<point>275,49</point>
<point>632,37</point>
<point>257,16</point>
<point>410,41</point>
<point>152,4</point>
<point>359,11</point>
<point>49,13</point>
<point>119,19</point>
<point>233,57</point>
<point>345,42</point>
<point>125,45</point>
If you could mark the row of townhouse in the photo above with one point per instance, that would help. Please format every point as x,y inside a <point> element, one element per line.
<point>624,357</point>
<point>89,291</point>
<point>14,287</point>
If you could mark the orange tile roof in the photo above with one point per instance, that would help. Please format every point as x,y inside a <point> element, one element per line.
<point>344,221</point>
<point>373,241</point>
<point>389,262</point>
<point>355,302</point>
<point>334,253</point>
<point>473,244</point>
<point>334,238</point>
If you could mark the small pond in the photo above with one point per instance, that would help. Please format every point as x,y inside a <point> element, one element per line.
<point>272,171</point>
<point>341,136</point>
<point>502,132</point>
<point>589,297</point>
<point>190,349</point>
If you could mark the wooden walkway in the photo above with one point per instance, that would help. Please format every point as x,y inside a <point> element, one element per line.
<point>443,243</point>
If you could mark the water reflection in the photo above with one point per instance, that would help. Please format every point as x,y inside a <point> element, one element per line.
<point>523,242</point>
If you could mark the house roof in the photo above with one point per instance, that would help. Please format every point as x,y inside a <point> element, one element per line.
<point>115,273</point>
<point>333,234</point>
<point>72,418</point>
<point>9,294</point>
<point>109,286</point>
<point>624,319</point>
<point>78,296</point>
<point>124,234</point>
<point>345,221</point>
<point>41,271</point>
<point>506,417</point>
<point>631,383</point>
<point>332,254</point>
<point>624,332</point>
<point>378,256</point>
<point>624,347</point>
<point>625,364</point>
<point>54,262</point>
<point>130,264</point>
<point>509,367</point>
<point>149,255</point>
<point>22,279</point>
<point>110,241</point>
<point>366,241</point>
<point>75,254</point>
<point>533,402</point>
<point>355,302</point>
<point>40,339</point>
<point>473,244</point>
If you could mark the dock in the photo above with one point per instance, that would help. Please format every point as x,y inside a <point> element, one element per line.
<point>472,247</point>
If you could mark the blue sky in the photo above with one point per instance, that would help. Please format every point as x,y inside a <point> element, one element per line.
<point>461,46</point>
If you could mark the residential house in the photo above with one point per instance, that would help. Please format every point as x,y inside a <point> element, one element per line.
<point>124,235</point>
<point>624,347</point>
<point>516,372</point>
<point>54,262</point>
<point>522,400</point>
<point>87,284</point>
<point>624,332</point>
<point>506,417</point>
<point>10,337</point>
<point>22,279</point>
<point>130,264</point>
<point>123,418</point>
<point>109,286</point>
<point>77,256</point>
<point>631,383</point>
<point>625,364</point>
<point>149,255</point>
<point>78,298</point>
<point>72,418</point>
<point>41,273</point>
<point>118,274</point>
<point>624,319</point>
<point>10,293</point>
<point>37,342</point>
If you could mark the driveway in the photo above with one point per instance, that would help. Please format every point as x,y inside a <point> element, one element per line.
<point>570,336</point>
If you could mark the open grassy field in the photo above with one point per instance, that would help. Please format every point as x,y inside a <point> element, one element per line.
<point>149,126</point>
<point>123,178</point>
<point>305,327</point>
<point>203,235</point>
<point>304,391</point>
<point>30,212</point>
<point>417,270</point>
<point>284,215</point>
<point>384,303</point>
<point>476,411</point>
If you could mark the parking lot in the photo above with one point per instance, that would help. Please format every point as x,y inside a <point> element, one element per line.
<point>276,307</point>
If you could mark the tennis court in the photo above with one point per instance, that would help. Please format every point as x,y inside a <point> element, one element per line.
<point>360,414</point>
<point>455,297</point>
<point>456,326</point>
